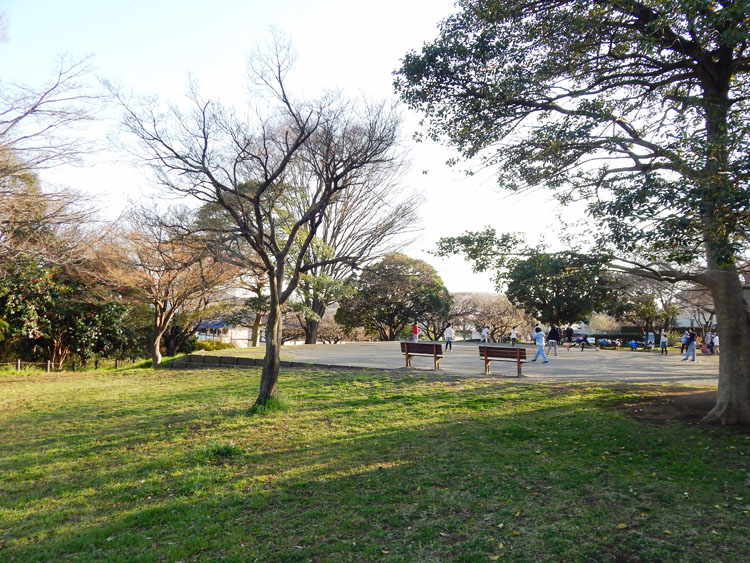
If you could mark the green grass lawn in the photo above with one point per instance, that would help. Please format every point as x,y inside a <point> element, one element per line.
<point>169,465</point>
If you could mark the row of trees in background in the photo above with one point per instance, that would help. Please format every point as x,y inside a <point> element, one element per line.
<point>292,203</point>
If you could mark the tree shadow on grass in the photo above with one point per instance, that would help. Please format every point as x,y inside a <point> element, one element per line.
<point>560,478</point>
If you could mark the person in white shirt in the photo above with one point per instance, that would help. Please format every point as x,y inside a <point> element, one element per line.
<point>538,337</point>
<point>513,337</point>
<point>485,336</point>
<point>448,332</point>
<point>664,341</point>
<point>716,343</point>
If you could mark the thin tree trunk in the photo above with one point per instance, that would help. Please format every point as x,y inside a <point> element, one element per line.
<point>155,345</point>
<point>312,326</point>
<point>256,331</point>
<point>270,377</point>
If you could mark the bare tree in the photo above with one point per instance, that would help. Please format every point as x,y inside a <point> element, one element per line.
<point>175,275</point>
<point>696,300</point>
<point>36,123</point>
<point>45,227</point>
<point>361,224</point>
<point>500,315</point>
<point>244,166</point>
<point>462,310</point>
<point>37,130</point>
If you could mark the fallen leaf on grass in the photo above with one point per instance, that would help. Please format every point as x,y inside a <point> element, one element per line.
<point>667,532</point>
<point>494,557</point>
<point>501,525</point>
<point>622,526</point>
<point>384,551</point>
<point>444,534</point>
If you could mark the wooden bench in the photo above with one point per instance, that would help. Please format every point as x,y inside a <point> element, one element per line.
<point>502,354</point>
<point>431,349</point>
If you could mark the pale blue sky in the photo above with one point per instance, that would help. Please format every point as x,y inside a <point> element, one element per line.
<point>151,47</point>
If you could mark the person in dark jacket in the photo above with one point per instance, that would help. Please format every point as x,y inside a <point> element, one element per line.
<point>569,336</point>
<point>553,338</point>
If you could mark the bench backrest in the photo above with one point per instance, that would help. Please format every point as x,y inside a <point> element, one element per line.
<point>502,352</point>
<point>431,348</point>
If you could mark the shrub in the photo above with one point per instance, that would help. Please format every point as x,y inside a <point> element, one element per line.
<point>210,345</point>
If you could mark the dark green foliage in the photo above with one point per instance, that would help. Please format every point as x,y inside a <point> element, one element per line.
<point>659,89</point>
<point>564,287</point>
<point>392,294</point>
<point>561,287</point>
<point>51,314</point>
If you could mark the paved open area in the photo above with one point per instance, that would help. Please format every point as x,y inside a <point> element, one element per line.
<point>569,365</point>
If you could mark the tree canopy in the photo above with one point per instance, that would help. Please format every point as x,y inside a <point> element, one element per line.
<point>638,107</point>
<point>392,294</point>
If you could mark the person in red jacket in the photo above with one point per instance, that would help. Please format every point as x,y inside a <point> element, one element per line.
<point>415,332</point>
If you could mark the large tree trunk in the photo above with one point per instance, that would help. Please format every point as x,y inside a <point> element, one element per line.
<point>732,315</point>
<point>312,326</point>
<point>270,377</point>
<point>733,321</point>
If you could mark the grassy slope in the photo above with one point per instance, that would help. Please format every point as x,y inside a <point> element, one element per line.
<point>168,465</point>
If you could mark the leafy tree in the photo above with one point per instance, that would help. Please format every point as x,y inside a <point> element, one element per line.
<point>648,304</point>
<point>639,107</point>
<point>391,294</point>
<point>58,312</point>
<point>563,287</point>
<point>559,288</point>
<point>26,294</point>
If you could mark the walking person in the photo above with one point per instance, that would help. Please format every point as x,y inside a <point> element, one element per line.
<point>513,337</point>
<point>553,338</point>
<point>448,332</point>
<point>716,343</point>
<point>569,336</point>
<point>538,337</point>
<point>415,332</point>
<point>692,338</point>
<point>485,336</point>
<point>664,342</point>
<point>710,342</point>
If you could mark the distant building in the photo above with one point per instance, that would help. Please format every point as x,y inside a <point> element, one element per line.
<point>217,330</point>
